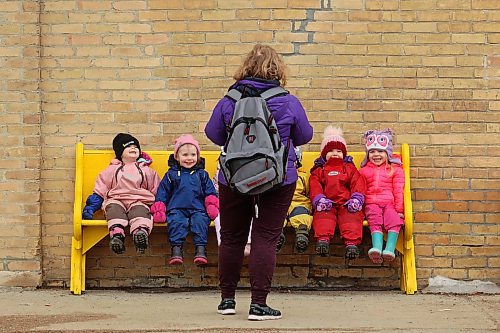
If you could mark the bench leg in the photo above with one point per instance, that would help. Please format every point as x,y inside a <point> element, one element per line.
<point>76,267</point>
<point>91,236</point>
<point>84,261</point>
<point>408,279</point>
<point>409,268</point>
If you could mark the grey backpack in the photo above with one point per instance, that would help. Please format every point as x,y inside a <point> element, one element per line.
<point>254,159</point>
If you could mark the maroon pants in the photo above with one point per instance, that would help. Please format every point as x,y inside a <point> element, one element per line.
<point>236,213</point>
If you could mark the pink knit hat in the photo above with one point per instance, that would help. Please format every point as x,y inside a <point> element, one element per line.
<point>332,139</point>
<point>185,139</point>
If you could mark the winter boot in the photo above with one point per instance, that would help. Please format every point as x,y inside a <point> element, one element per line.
<point>351,252</point>
<point>323,248</point>
<point>281,242</point>
<point>117,241</point>
<point>200,255</point>
<point>176,255</point>
<point>301,238</point>
<point>375,253</point>
<point>141,240</point>
<point>388,254</point>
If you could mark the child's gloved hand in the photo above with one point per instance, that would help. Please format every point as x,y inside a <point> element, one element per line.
<point>212,206</point>
<point>92,205</point>
<point>321,203</point>
<point>159,210</point>
<point>355,203</point>
<point>324,204</point>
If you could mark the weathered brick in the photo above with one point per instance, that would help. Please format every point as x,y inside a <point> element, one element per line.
<point>446,251</point>
<point>484,274</point>
<point>434,262</point>
<point>452,228</point>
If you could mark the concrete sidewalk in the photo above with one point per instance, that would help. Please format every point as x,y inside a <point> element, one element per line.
<point>163,311</point>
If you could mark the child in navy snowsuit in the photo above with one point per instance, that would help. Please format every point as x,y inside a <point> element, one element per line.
<point>187,199</point>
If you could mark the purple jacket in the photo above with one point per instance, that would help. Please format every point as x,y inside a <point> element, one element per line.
<point>289,114</point>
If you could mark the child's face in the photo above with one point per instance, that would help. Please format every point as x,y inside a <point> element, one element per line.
<point>336,153</point>
<point>130,154</point>
<point>377,156</point>
<point>187,156</point>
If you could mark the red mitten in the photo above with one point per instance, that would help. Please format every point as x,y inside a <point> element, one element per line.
<point>158,210</point>
<point>212,206</point>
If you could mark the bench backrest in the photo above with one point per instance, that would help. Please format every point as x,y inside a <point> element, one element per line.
<point>94,161</point>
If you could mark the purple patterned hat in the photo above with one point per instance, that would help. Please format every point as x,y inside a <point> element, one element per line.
<point>380,140</point>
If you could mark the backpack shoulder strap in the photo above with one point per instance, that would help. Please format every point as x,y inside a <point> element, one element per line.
<point>234,95</point>
<point>275,91</point>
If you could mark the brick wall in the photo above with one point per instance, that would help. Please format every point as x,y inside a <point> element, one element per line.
<point>20,118</point>
<point>428,69</point>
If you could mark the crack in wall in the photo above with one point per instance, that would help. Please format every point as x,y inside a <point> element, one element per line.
<point>300,26</point>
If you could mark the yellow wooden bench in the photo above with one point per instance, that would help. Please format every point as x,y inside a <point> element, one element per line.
<point>87,233</point>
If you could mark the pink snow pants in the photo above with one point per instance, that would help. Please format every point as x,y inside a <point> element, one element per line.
<point>382,218</point>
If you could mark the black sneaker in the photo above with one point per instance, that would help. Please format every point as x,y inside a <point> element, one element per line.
<point>141,240</point>
<point>262,312</point>
<point>227,306</point>
<point>117,243</point>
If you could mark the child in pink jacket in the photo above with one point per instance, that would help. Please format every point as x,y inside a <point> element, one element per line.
<point>384,193</point>
<point>125,190</point>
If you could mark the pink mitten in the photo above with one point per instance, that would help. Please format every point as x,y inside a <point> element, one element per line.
<point>158,210</point>
<point>212,206</point>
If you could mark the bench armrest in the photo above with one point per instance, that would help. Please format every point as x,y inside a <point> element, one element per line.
<point>408,207</point>
<point>77,204</point>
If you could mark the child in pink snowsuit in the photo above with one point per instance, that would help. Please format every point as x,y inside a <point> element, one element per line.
<point>384,194</point>
<point>125,190</point>
<point>337,194</point>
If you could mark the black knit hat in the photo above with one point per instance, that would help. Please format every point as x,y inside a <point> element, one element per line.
<point>122,141</point>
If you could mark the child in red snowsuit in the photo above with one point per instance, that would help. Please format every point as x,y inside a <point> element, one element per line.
<point>337,194</point>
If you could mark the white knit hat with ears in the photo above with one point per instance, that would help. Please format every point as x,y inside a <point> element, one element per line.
<point>333,139</point>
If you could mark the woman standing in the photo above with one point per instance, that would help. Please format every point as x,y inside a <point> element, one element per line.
<point>261,70</point>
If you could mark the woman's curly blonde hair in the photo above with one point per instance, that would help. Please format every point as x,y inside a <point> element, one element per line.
<point>262,62</point>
